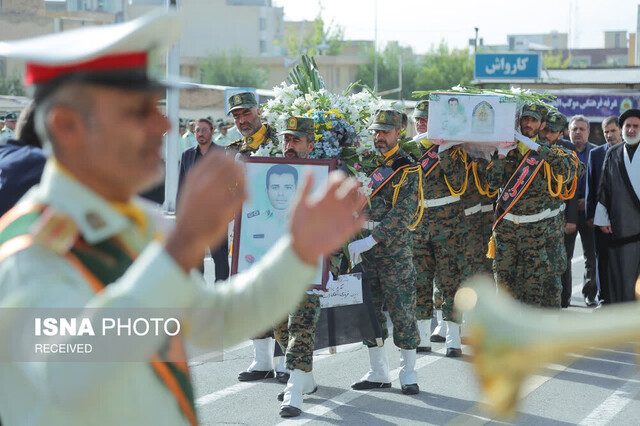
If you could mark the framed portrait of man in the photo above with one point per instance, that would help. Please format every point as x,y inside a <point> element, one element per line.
<point>465,117</point>
<point>272,184</point>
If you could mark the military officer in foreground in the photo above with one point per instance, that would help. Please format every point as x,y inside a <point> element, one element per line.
<point>81,238</point>
<point>386,251</point>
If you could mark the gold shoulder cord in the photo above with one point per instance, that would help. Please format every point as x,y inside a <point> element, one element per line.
<point>396,192</point>
<point>482,190</point>
<point>459,153</point>
<point>561,182</point>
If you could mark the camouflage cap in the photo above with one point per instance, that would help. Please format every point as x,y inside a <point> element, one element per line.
<point>12,116</point>
<point>241,101</point>
<point>386,119</point>
<point>555,121</point>
<point>536,111</point>
<point>421,110</point>
<point>299,126</point>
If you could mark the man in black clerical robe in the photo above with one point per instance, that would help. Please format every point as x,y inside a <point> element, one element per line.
<point>618,211</point>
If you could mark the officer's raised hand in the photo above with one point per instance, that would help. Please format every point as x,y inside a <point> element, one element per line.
<point>321,223</point>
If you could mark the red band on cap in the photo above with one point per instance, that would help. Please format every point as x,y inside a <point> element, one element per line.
<point>38,73</point>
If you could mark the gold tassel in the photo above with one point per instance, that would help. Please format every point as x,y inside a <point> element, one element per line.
<point>491,248</point>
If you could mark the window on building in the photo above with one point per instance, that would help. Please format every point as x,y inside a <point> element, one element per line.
<point>263,24</point>
<point>616,42</point>
<point>263,47</point>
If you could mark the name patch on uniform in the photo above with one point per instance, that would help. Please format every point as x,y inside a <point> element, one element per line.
<point>258,235</point>
<point>253,214</point>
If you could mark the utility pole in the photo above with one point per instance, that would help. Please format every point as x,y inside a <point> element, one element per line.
<point>475,44</point>
<point>375,46</point>
<point>171,145</point>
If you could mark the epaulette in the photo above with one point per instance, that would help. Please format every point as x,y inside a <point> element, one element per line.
<point>55,231</point>
<point>236,144</point>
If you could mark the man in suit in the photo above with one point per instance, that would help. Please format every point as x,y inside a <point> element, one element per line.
<point>204,135</point>
<point>613,136</point>
<point>579,135</point>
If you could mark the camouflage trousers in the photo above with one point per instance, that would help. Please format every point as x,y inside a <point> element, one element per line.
<point>297,334</point>
<point>442,262</point>
<point>552,285</point>
<point>522,264</point>
<point>393,281</point>
<point>479,225</point>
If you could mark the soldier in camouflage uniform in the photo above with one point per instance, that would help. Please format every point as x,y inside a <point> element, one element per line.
<point>244,108</point>
<point>522,263</point>
<point>439,239</point>
<point>386,251</point>
<point>477,201</point>
<point>550,136</point>
<point>296,334</point>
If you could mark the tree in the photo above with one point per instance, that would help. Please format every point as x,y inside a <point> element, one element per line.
<point>388,68</point>
<point>331,36</point>
<point>440,68</point>
<point>232,70</point>
<point>549,60</point>
<point>443,68</point>
<point>12,87</point>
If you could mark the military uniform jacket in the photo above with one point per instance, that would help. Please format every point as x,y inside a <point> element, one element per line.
<point>537,197</point>
<point>243,146</point>
<point>39,275</point>
<point>392,234</point>
<point>437,221</point>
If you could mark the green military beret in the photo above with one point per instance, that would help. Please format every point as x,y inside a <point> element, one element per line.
<point>555,121</point>
<point>421,110</point>
<point>241,101</point>
<point>299,126</point>
<point>386,119</point>
<point>536,111</point>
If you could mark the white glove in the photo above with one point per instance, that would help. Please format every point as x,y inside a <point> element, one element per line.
<point>358,247</point>
<point>419,137</point>
<point>445,146</point>
<point>327,286</point>
<point>528,142</point>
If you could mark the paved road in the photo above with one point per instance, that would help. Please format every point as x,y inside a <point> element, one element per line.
<point>596,389</point>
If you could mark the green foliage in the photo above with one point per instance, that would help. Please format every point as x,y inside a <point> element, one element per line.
<point>12,87</point>
<point>331,36</point>
<point>440,68</point>
<point>443,67</point>
<point>306,76</point>
<point>388,69</point>
<point>549,60</point>
<point>232,70</point>
<point>520,96</point>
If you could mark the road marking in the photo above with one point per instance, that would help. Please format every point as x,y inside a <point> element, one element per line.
<point>209,398</point>
<point>350,395</point>
<point>239,387</point>
<point>614,404</point>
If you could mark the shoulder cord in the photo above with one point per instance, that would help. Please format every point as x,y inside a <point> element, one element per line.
<point>396,192</point>
<point>482,190</point>
<point>457,153</point>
